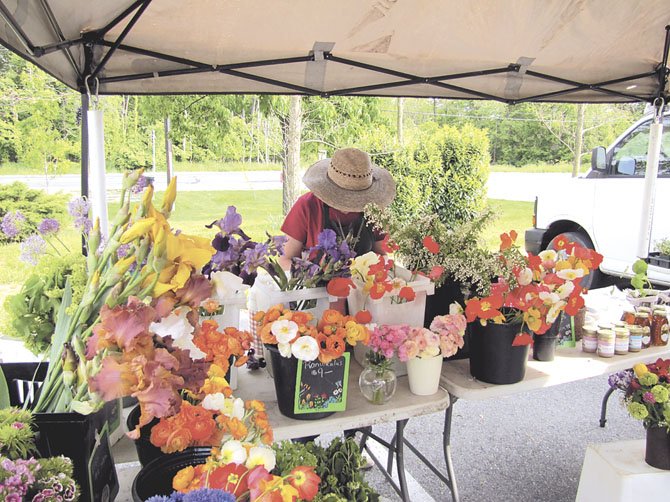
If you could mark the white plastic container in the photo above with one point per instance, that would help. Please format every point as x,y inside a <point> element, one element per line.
<point>230,317</point>
<point>424,375</point>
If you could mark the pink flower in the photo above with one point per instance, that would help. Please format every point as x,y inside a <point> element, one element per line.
<point>408,350</point>
<point>648,397</point>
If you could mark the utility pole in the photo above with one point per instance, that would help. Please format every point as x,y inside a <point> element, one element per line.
<point>401,117</point>
<point>168,150</point>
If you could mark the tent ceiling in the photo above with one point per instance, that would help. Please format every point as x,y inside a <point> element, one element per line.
<point>512,51</point>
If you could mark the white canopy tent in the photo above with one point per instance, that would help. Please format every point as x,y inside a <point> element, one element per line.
<point>512,51</point>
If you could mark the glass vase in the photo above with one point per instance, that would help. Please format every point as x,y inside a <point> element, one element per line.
<point>377,384</point>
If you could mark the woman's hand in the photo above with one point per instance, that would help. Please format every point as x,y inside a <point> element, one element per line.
<point>292,249</point>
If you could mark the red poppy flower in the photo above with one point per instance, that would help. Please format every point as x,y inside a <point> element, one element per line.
<point>231,478</point>
<point>363,317</point>
<point>340,287</point>
<point>436,272</point>
<point>522,339</point>
<point>534,262</point>
<point>379,289</point>
<point>407,293</point>
<point>486,308</point>
<point>387,245</point>
<point>575,302</point>
<point>378,267</point>
<point>560,242</point>
<point>430,244</point>
<point>306,481</point>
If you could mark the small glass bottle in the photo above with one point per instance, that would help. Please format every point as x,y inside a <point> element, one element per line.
<point>642,319</point>
<point>589,338</point>
<point>635,339</point>
<point>628,316</point>
<point>606,342</point>
<point>622,340</point>
<point>659,327</point>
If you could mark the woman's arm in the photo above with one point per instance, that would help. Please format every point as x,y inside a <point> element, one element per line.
<point>292,249</point>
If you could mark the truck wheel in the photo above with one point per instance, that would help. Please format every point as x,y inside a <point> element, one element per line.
<point>596,278</point>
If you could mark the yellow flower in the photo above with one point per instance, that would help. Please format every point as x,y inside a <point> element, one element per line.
<point>640,369</point>
<point>137,229</point>
<point>355,333</point>
<point>170,196</point>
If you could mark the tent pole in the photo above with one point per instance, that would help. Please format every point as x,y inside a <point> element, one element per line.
<point>84,157</point>
<point>16,29</point>
<point>651,173</point>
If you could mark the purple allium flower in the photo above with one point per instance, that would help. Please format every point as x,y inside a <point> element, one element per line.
<point>18,425</point>
<point>32,248</point>
<point>78,209</point>
<point>12,223</point>
<point>648,397</point>
<point>140,185</point>
<point>231,222</point>
<point>48,226</point>
<point>122,251</point>
<point>208,495</point>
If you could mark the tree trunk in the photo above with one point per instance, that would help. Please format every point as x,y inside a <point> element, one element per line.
<point>291,167</point>
<point>579,133</point>
<point>168,150</point>
<point>401,115</point>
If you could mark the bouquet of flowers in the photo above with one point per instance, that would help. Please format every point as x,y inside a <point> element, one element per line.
<point>646,392</point>
<point>295,334</point>
<point>533,289</point>
<point>22,476</point>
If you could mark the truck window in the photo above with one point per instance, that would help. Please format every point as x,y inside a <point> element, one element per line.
<point>629,157</point>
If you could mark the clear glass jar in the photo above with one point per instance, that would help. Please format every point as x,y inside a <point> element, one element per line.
<point>377,384</point>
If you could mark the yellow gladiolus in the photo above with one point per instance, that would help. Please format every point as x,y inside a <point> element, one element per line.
<point>122,266</point>
<point>137,229</point>
<point>170,196</point>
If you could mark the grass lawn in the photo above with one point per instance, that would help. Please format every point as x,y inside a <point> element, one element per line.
<point>261,212</point>
<point>13,168</point>
<point>539,168</point>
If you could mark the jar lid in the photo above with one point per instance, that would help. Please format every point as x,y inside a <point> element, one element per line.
<point>606,333</point>
<point>621,332</point>
<point>637,330</point>
<point>642,315</point>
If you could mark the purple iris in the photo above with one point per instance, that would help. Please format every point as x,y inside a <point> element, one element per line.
<point>255,257</point>
<point>327,240</point>
<point>140,185</point>
<point>231,222</point>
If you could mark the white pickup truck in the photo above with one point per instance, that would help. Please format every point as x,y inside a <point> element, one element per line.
<point>602,209</point>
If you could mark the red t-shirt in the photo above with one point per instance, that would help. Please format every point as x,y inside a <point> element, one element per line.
<point>304,222</point>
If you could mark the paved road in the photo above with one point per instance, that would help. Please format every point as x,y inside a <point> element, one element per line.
<point>507,186</point>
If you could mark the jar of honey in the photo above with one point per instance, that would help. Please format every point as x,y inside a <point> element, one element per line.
<point>643,320</point>
<point>635,338</point>
<point>606,340</point>
<point>659,327</point>
<point>622,340</point>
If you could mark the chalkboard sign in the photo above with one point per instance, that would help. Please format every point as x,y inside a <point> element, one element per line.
<point>322,387</point>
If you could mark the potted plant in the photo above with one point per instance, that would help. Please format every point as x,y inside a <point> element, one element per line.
<point>529,294</point>
<point>662,257</point>
<point>293,338</point>
<point>645,389</point>
<point>643,292</point>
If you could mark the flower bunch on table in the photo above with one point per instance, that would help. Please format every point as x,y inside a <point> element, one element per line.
<point>533,289</point>
<point>295,334</point>
<point>244,473</point>
<point>123,295</point>
<point>646,392</point>
<point>24,477</point>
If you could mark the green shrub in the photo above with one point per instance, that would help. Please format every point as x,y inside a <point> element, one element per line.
<point>35,205</point>
<point>442,171</point>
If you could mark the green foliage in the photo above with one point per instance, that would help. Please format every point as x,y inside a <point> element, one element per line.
<point>339,467</point>
<point>441,171</point>
<point>290,455</point>
<point>56,465</point>
<point>32,312</point>
<point>664,246</point>
<point>17,438</point>
<point>35,205</point>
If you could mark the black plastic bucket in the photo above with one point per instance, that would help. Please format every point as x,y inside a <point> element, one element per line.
<point>493,358</point>
<point>155,478</point>
<point>69,434</point>
<point>438,304</point>
<point>285,370</point>
<point>544,347</point>
<point>146,452</point>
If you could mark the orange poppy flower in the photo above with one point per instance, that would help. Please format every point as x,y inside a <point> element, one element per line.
<point>407,293</point>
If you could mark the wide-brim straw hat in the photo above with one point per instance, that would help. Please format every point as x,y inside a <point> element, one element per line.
<point>349,181</point>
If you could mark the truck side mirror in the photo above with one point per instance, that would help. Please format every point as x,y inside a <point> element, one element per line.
<point>599,159</point>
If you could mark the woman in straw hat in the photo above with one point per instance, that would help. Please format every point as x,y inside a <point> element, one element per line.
<point>340,187</point>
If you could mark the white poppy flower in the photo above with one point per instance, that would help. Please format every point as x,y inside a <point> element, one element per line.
<point>284,349</point>
<point>548,255</point>
<point>177,326</point>
<point>232,452</point>
<point>555,309</point>
<point>214,402</point>
<point>455,308</point>
<point>525,277</point>
<point>226,285</point>
<point>570,274</point>
<point>261,455</point>
<point>284,330</point>
<point>549,298</point>
<point>233,407</point>
<point>565,289</point>
<point>305,348</point>
<point>361,264</point>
